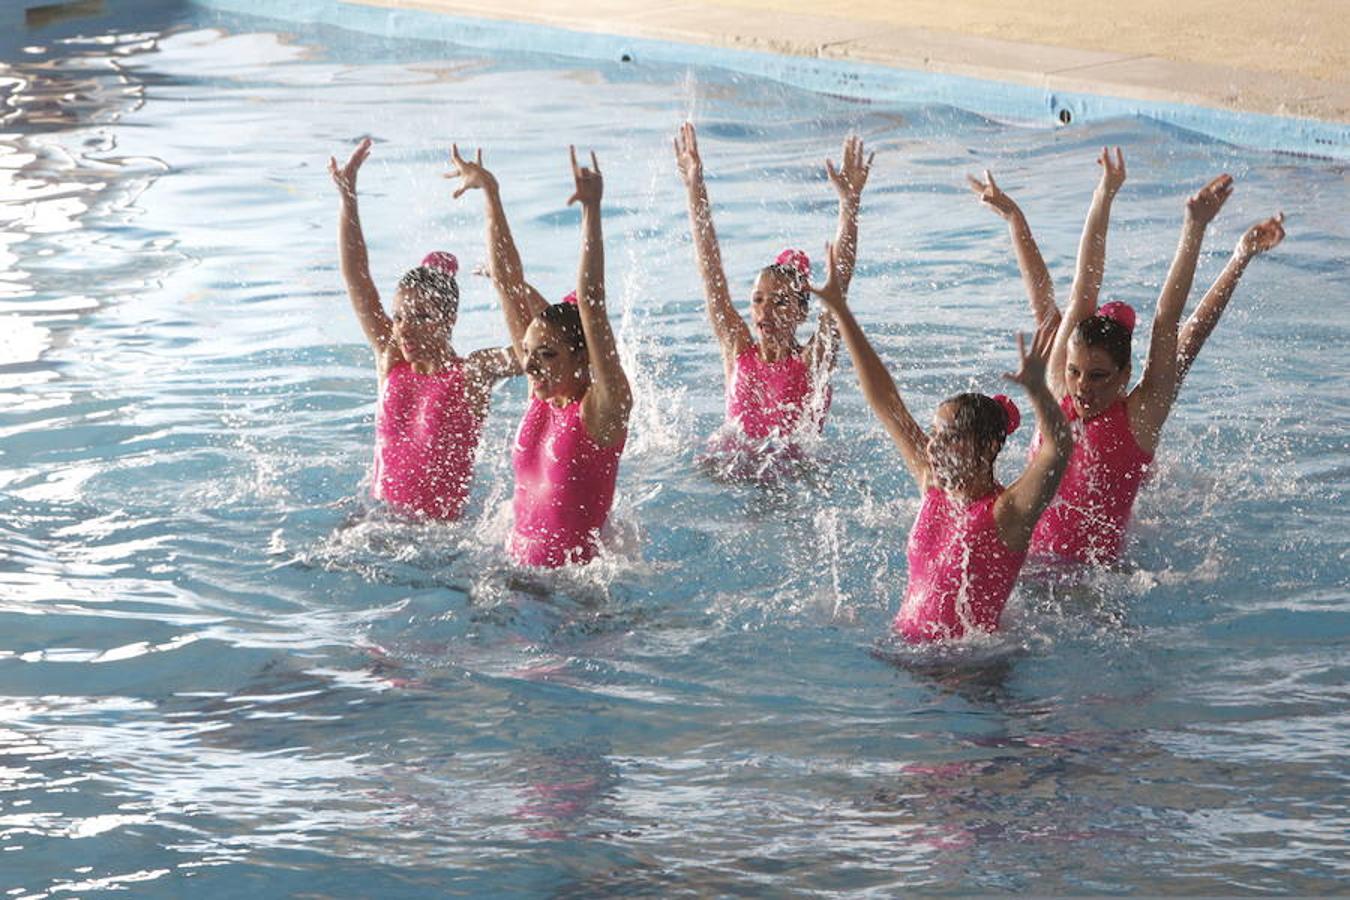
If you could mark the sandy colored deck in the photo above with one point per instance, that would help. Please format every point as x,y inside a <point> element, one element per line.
<point>1290,57</point>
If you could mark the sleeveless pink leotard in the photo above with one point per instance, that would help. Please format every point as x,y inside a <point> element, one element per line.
<point>564,486</point>
<point>770,398</point>
<point>426,433</point>
<point>1086,521</point>
<point>960,571</point>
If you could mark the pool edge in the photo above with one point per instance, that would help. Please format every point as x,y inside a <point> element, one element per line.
<point>1062,98</point>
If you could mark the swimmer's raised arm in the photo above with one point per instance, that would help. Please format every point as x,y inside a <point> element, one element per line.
<point>1087,279</point>
<point>609,400</point>
<point>1256,240</point>
<point>1020,506</point>
<point>1151,400</point>
<point>353,258</point>
<point>492,364</point>
<point>1035,276</point>
<point>520,301</point>
<point>848,180</point>
<point>877,385</point>
<point>733,335</point>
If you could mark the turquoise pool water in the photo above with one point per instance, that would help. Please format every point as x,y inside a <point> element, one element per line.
<point>223,670</point>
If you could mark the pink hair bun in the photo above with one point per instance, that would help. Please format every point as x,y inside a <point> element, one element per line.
<point>441,261</point>
<point>1118,312</point>
<point>1010,412</point>
<point>795,259</point>
<point>571,298</point>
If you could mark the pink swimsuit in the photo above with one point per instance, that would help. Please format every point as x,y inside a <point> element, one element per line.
<point>769,398</point>
<point>1087,519</point>
<point>960,571</point>
<point>564,486</point>
<point>425,437</point>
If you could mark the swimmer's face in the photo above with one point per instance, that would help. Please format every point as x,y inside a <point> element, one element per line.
<point>421,326</point>
<point>554,370</point>
<point>955,454</point>
<point>1092,378</point>
<point>776,307</point>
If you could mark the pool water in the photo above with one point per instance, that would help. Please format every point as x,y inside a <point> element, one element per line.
<point>223,668</point>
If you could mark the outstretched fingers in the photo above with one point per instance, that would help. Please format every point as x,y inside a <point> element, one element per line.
<point>830,292</point>
<point>1218,188</point>
<point>1205,203</point>
<point>1022,358</point>
<point>1032,362</point>
<point>361,152</point>
<point>690,135</point>
<point>588,180</point>
<point>1264,236</point>
<point>344,176</point>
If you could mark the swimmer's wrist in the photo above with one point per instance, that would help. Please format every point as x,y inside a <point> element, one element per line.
<point>1192,229</point>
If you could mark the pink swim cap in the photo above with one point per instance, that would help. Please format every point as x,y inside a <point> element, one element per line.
<point>570,297</point>
<point>1010,411</point>
<point>441,261</point>
<point>1121,313</point>
<point>796,260</point>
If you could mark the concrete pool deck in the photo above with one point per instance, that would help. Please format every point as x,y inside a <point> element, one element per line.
<point>1286,59</point>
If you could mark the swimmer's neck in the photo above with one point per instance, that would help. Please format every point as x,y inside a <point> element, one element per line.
<point>969,490</point>
<point>434,365</point>
<point>564,400</point>
<point>772,349</point>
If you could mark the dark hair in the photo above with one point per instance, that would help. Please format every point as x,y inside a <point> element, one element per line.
<point>793,277</point>
<point>982,416</point>
<point>1108,334</point>
<point>567,319</point>
<point>436,285</point>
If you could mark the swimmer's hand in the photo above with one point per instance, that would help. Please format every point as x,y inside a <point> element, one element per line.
<point>831,293</point>
<point>850,177</point>
<point>345,176</point>
<point>1204,204</point>
<point>687,159</point>
<point>590,184</point>
<point>1031,370</point>
<point>1113,172</point>
<point>992,196</point>
<point>1261,237</point>
<point>473,174</point>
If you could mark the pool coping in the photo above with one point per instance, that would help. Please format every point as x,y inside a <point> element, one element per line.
<point>1026,84</point>
<point>883,37</point>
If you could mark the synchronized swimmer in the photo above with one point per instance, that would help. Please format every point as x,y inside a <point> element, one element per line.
<point>1095,437</point>
<point>773,382</point>
<point>1116,428</point>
